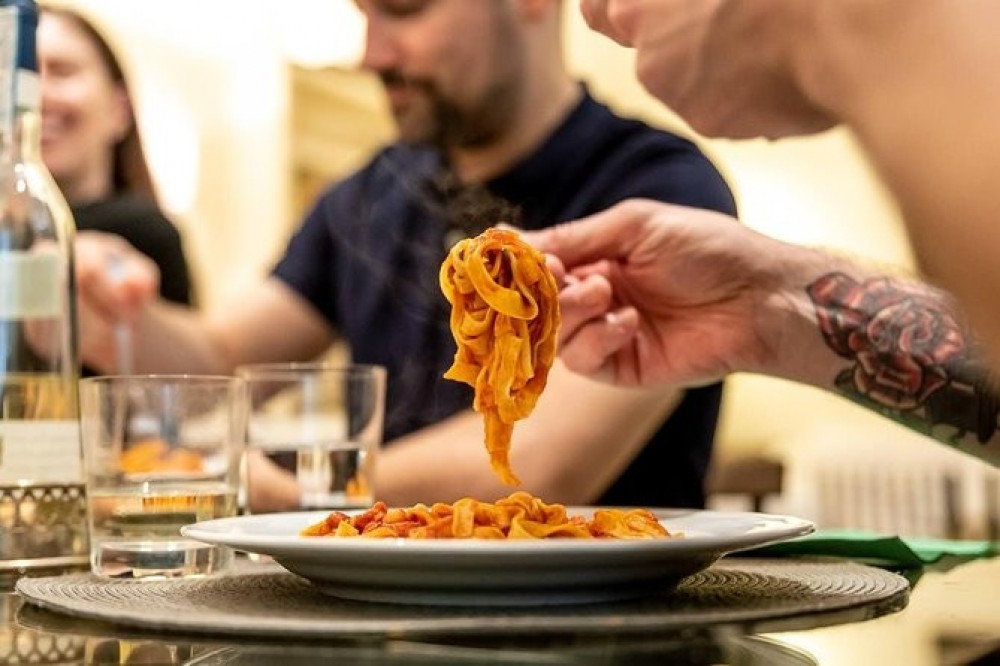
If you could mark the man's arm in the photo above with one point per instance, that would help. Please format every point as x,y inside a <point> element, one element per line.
<point>904,350</point>
<point>556,456</point>
<point>891,344</point>
<point>919,83</point>
<point>271,323</point>
<point>698,296</point>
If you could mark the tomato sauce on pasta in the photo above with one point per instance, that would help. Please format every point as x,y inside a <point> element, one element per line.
<point>518,516</point>
<point>504,317</point>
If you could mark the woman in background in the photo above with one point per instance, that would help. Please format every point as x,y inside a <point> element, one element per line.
<point>91,145</point>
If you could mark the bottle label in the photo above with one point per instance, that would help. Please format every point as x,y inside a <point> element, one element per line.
<point>29,285</point>
<point>40,452</point>
<point>28,88</point>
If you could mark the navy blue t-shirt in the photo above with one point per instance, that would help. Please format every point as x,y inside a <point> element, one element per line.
<point>368,254</point>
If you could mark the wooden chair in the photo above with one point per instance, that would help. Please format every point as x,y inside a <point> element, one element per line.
<point>756,477</point>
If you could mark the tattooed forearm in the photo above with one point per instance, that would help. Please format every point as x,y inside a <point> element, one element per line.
<point>910,355</point>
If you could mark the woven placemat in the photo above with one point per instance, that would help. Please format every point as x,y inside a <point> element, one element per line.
<point>266,601</point>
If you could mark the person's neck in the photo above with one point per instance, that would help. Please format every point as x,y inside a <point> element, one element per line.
<point>535,120</point>
<point>827,51</point>
<point>85,189</point>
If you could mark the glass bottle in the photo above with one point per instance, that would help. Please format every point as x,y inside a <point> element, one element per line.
<point>42,505</point>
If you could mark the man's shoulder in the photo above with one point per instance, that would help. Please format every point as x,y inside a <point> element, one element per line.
<point>613,143</point>
<point>631,135</point>
<point>631,158</point>
<point>616,125</point>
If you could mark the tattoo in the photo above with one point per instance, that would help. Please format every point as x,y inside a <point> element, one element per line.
<point>911,355</point>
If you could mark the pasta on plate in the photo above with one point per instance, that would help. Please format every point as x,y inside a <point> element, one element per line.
<point>504,317</point>
<point>519,516</point>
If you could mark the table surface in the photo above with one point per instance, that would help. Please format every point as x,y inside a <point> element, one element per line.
<point>952,618</point>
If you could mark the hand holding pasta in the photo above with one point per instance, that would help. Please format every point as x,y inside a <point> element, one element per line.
<point>519,516</point>
<point>505,317</point>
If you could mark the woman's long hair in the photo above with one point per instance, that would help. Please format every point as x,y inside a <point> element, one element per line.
<point>130,172</point>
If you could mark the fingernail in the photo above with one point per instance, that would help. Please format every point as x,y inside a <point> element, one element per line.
<point>614,322</point>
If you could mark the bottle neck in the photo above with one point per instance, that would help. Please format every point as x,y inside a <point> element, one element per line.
<point>22,136</point>
<point>20,84</point>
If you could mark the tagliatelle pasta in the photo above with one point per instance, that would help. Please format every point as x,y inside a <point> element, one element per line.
<point>504,317</point>
<point>519,516</point>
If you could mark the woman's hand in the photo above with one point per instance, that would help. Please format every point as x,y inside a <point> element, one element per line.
<point>114,283</point>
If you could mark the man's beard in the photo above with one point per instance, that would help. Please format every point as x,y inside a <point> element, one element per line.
<point>444,123</point>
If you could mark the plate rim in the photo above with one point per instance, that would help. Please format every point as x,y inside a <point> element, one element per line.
<point>220,531</point>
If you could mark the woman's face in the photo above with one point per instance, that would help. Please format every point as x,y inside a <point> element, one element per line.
<point>84,112</point>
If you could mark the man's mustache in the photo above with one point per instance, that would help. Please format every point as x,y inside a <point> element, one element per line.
<point>394,78</point>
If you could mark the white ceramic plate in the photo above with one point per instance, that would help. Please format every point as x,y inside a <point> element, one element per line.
<point>485,572</point>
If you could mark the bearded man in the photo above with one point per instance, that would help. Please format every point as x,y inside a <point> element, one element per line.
<point>492,129</point>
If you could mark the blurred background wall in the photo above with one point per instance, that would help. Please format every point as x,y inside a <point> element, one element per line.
<point>249,107</point>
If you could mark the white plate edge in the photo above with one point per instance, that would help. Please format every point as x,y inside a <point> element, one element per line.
<point>779,528</point>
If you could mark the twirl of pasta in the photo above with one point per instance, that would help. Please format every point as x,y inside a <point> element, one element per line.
<point>504,316</point>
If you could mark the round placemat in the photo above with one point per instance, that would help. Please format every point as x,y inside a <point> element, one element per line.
<point>265,600</point>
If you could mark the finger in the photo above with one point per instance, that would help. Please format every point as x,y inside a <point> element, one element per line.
<point>112,277</point>
<point>552,262</point>
<point>581,301</point>
<point>96,339</point>
<point>610,234</point>
<point>601,268</point>
<point>139,280</point>
<point>590,350</point>
<point>556,268</point>
<point>96,293</point>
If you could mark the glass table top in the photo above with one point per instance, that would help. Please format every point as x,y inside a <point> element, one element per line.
<point>952,617</point>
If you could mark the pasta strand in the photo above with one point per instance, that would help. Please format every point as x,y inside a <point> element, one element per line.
<point>504,318</point>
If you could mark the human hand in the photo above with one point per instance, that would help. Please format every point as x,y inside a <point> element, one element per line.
<point>273,488</point>
<point>659,293</point>
<point>725,66</point>
<point>114,282</point>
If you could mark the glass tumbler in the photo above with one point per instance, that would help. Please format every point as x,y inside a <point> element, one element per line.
<point>160,452</point>
<point>313,433</point>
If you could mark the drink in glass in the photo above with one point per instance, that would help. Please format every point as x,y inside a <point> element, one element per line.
<point>160,452</point>
<point>313,433</point>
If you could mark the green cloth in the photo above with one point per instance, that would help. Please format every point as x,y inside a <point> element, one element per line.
<point>883,550</point>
